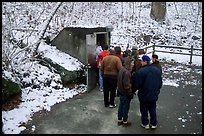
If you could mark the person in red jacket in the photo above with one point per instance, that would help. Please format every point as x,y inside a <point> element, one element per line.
<point>100,57</point>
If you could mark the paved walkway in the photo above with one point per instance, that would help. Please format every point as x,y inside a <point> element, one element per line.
<point>179,111</point>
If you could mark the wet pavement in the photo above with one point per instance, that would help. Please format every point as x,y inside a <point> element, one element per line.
<point>179,110</point>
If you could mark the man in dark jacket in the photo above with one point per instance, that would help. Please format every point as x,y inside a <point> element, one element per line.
<point>148,81</point>
<point>155,62</point>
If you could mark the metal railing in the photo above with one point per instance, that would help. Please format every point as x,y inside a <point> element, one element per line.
<point>191,50</point>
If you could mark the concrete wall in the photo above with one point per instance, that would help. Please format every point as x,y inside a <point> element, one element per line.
<point>73,41</point>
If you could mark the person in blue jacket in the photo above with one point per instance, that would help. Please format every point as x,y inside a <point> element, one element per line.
<point>148,81</point>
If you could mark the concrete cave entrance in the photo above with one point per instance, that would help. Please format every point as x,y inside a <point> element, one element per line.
<point>81,43</point>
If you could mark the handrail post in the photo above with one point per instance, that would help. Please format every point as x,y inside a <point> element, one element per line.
<point>145,49</point>
<point>191,54</point>
<point>153,48</point>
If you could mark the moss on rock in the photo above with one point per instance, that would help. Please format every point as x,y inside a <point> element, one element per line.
<point>9,88</point>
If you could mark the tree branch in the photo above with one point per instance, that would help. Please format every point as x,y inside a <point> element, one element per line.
<point>46,24</point>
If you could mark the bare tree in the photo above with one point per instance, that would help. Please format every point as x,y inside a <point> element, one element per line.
<point>158,11</point>
<point>15,52</point>
<point>46,24</point>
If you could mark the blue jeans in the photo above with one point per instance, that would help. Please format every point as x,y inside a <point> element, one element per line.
<point>123,108</point>
<point>150,107</point>
<point>100,79</point>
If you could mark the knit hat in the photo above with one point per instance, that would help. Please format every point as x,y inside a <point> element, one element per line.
<point>145,58</point>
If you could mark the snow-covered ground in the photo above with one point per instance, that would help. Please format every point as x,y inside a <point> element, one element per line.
<point>44,97</point>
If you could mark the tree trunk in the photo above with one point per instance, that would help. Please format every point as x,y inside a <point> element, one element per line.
<point>158,11</point>
<point>46,24</point>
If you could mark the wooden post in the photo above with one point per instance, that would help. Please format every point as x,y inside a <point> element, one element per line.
<point>153,49</point>
<point>191,54</point>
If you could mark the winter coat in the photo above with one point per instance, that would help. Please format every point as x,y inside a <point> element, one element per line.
<point>124,82</point>
<point>134,55</point>
<point>137,66</point>
<point>111,65</point>
<point>157,64</point>
<point>148,81</point>
<point>98,50</point>
<point>101,56</point>
<point>119,55</point>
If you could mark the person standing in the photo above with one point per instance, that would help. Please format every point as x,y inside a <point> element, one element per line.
<point>118,52</point>
<point>138,64</point>
<point>98,50</point>
<point>126,54</point>
<point>119,55</point>
<point>110,66</point>
<point>148,81</point>
<point>125,92</point>
<point>155,62</point>
<point>134,53</point>
<point>101,55</point>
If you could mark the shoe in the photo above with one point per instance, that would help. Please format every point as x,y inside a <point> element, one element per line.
<point>126,124</point>
<point>101,90</point>
<point>120,123</point>
<point>145,126</point>
<point>153,127</point>
<point>112,106</point>
<point>106,105</point>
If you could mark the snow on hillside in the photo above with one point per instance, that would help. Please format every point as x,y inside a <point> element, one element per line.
<point>183,21</point>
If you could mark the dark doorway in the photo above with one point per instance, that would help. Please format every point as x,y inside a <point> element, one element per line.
<point>101,39</point>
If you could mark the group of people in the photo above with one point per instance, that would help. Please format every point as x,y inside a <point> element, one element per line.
<point>125,75</point>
